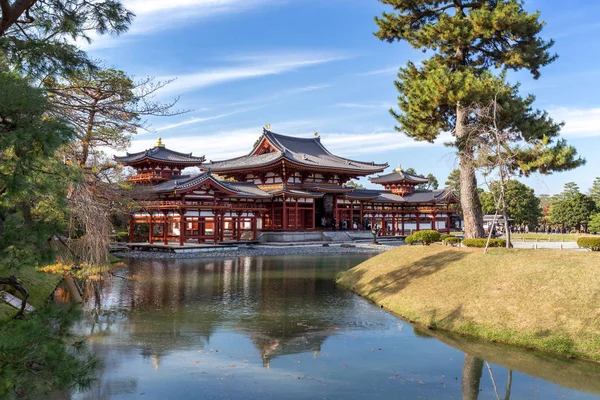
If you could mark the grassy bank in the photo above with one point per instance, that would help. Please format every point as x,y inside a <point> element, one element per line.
<point>39,285</point>
<point>546,300</point>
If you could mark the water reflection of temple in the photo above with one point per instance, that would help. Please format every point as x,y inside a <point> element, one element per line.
<point>281,304</point>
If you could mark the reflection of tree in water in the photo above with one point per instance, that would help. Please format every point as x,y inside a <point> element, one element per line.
<point>471,379</point>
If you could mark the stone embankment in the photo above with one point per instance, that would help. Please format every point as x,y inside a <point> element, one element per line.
<point>267,250</point>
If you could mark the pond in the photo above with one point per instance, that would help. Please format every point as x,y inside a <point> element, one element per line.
<point>279,328</point>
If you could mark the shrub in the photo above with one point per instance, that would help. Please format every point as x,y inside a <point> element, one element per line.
<point>590,243</point>
<point>481,242</point>
<point>427,237</point>
<point>445,236</point>
<point>451,241</point>
<point>410,240</point>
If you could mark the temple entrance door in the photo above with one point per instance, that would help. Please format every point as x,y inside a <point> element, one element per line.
<point>319,212</point>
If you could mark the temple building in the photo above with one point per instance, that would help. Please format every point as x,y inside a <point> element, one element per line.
<point>286,187</point>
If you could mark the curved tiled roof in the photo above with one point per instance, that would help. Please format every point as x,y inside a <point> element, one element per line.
<point>399,176</point>
<point>245,189</point>
<point>184,182</point>
<point>160,154</point>
<point>308,152</point>
<point>426,196</point>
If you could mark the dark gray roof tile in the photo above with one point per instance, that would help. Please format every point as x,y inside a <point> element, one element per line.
<point>398,176</point>
<point>160,154</point>
<point>307,152</point>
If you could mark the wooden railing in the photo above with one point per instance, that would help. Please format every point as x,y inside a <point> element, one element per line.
<point>146,177</point>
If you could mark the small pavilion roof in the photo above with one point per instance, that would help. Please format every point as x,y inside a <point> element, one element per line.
<point>159,153</point>
<point>399,176</point>
<point>306,152</point>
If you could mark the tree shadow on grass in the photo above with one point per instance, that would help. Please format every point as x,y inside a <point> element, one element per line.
<point>398,279</point>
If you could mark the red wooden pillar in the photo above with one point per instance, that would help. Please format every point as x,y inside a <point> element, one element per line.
<point>297,220</point>
<point>362,216</point>
<point>433,218</point>
<point>240,221</point>
<point>165,228</point>
<point>222,227</point>
<point>335,211</point>
<point>182,228</point>
<point>201,228</point>
<point>403,217</point>
<point>215,227</point>
<point>233,227</point>
<point>394,224</point>
<point>254,226</point>
<point>417,219</point>
<point>448,216</point>
<point>313,222</point>
<point>273,215</point>
<point>351,227</point>
<point>151,231</point>
<point>131,229</point>
<point>284,215</point>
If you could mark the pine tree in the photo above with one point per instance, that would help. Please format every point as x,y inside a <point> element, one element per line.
<point>595,192</point>
<point>37,37</point>
<point>470,40</point>
<point>521,203</point>
<point>432,184</point>
<point>32,183</point>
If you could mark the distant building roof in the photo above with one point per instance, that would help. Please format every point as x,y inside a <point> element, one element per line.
<point>160,154</point>
<point>399,176</point>
<point>307,152</point>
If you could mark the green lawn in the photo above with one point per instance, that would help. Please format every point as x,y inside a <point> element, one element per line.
<point>39,285</point>
<point>546,300</point>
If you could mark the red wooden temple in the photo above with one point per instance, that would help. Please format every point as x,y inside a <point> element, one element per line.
<point>285,185</point>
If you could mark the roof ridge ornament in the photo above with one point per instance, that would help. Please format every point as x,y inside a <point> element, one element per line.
<point>159,143</point>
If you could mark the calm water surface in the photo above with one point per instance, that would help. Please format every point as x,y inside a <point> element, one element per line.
<point>279,328</point>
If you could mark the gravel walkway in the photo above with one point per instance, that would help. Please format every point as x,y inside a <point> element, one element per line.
<point>266,250</point>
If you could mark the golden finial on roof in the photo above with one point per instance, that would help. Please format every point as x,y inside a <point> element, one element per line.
<point>268,126</point>
<point>316,134</point>
<point>159,143</point>
<point>400,169</point>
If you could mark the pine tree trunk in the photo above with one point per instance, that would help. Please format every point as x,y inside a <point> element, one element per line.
<point>471,377</point>
<point>469,197</point>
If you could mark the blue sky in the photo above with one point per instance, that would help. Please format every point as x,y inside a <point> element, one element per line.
<point>314,65</point>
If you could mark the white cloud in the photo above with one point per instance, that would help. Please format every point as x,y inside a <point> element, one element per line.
<point>153,16</point>
<point>379,72</point>
<point>366,106</point>
<point>256,67</point>
<point>277,95</point>
<point>196,120</point>
<point>579,122</point>
<point>234,143</point>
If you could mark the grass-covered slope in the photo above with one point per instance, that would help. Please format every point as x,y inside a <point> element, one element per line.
<point>39,285</point>
<point>543,299</point>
